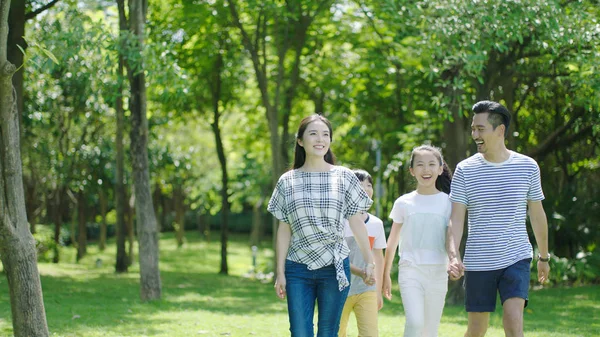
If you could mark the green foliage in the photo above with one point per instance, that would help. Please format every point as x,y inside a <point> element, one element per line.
<point>584,269</point>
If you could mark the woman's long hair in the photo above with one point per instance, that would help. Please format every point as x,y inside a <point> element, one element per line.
<point>443,181</point>
<point>299,152</point>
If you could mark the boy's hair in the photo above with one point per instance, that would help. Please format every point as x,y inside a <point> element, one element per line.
<point>363,175</point>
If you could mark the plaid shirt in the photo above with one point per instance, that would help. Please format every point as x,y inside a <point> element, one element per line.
<point>315,205</point>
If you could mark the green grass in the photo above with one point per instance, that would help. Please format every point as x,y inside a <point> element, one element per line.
<point>85,300</point>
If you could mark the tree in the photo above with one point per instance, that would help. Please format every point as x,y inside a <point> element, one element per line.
<point>17,247</point>
<point>150,283</point>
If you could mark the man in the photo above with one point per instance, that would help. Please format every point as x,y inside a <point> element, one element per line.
<point>497,187</point>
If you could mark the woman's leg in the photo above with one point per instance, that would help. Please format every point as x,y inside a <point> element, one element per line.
<point>301,295</point>
<point>330,300</point>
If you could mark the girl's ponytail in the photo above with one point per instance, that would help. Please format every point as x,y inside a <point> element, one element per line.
<point>445,179</point>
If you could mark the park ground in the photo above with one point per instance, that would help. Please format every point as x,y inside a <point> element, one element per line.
<point>88,299</point>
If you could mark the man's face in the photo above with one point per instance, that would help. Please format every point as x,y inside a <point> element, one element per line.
<point>484,135</point>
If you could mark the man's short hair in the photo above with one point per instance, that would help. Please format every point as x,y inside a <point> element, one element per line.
<point>498,114</point>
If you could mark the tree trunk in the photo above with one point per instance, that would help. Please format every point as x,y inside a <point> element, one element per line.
<point>102,243</point>
<point>81,226</point>
<point>179,204</point>
<point>150,284</point>
<point>216,99</point>
<point>257,222</point>
<point>57,219</point>
<point>131,228</point>
<point>121,265</point>
<point>17,246</point>
<point>16,32</point>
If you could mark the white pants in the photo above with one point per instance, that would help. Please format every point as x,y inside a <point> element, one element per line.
<point>423,289</point>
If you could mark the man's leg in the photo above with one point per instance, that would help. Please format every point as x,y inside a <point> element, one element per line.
<point>481,288</point>
<point>514,291</point>
<point>512,318</point>
<point>478,324</point>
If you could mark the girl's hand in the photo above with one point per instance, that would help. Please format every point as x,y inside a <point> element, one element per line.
<point>280,286</point>
<point>455,269</point>
<point>387,287</point>
<point>379,301</point>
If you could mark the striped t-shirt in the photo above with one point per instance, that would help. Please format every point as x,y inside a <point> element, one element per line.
<point>496,196</point>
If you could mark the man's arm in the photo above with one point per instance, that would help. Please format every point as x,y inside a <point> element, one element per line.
<point>539,224</point>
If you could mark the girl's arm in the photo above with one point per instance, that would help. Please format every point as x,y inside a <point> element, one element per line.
<point>390,254</point>
<point>379,265</point>
<point>284,235</point>
<point>362,238</point>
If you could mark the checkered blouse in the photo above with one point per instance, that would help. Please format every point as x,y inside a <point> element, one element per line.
<point>315,204</point>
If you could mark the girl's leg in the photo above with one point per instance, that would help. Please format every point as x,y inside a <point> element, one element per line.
<point>435,297</point>
<point>366,314</point>
<point>330,300</point>
<point>301,295</point>
<point>410,279</point>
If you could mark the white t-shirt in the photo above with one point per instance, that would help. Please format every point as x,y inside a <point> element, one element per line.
<point>424,220</point>
<point>377,233</point>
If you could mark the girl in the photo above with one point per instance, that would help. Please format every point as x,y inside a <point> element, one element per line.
<point>311,202</point>
<point>363,299</point>
<point>420,219</point>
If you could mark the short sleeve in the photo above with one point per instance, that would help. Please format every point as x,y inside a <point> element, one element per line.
<point>398,211</point>
<point>458,192</point>
<point>356,199</point>
<point>380,242</point>
<point>277,205</point>
<point>535,192</point>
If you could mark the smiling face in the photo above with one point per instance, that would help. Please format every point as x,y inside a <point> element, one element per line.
<point>484,135</point>
<point>316,139</point>
<point>368,187</point>
<point>426,168</point>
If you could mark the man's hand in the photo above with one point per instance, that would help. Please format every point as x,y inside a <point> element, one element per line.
<point>543,271</point>
<point>456,269</point>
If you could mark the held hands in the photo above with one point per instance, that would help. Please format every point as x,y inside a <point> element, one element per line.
<point>369,274</point>
<point>280,283</point>
<point>456,269</point>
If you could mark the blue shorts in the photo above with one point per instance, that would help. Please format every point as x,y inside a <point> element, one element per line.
<point>481,287</point>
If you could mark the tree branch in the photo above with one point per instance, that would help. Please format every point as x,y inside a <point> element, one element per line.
<point>31,15</point>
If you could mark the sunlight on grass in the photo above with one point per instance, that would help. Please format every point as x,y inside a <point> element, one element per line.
<point>88,299</point>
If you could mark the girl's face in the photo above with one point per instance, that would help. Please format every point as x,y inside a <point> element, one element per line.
<point>368,187</point>
<point>426,168</point>
<point>316,139</point>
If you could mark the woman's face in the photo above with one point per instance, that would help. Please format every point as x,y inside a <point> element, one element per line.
<point>316,139</point>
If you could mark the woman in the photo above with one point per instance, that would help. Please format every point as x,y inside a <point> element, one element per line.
<point>311,202</point>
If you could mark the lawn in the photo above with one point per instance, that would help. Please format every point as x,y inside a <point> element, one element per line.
<point>88,300</point>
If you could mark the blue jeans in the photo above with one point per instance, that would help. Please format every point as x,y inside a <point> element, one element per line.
<point>305,286</point>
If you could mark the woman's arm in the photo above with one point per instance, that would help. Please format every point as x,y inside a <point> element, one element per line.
<point>284,235</point>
